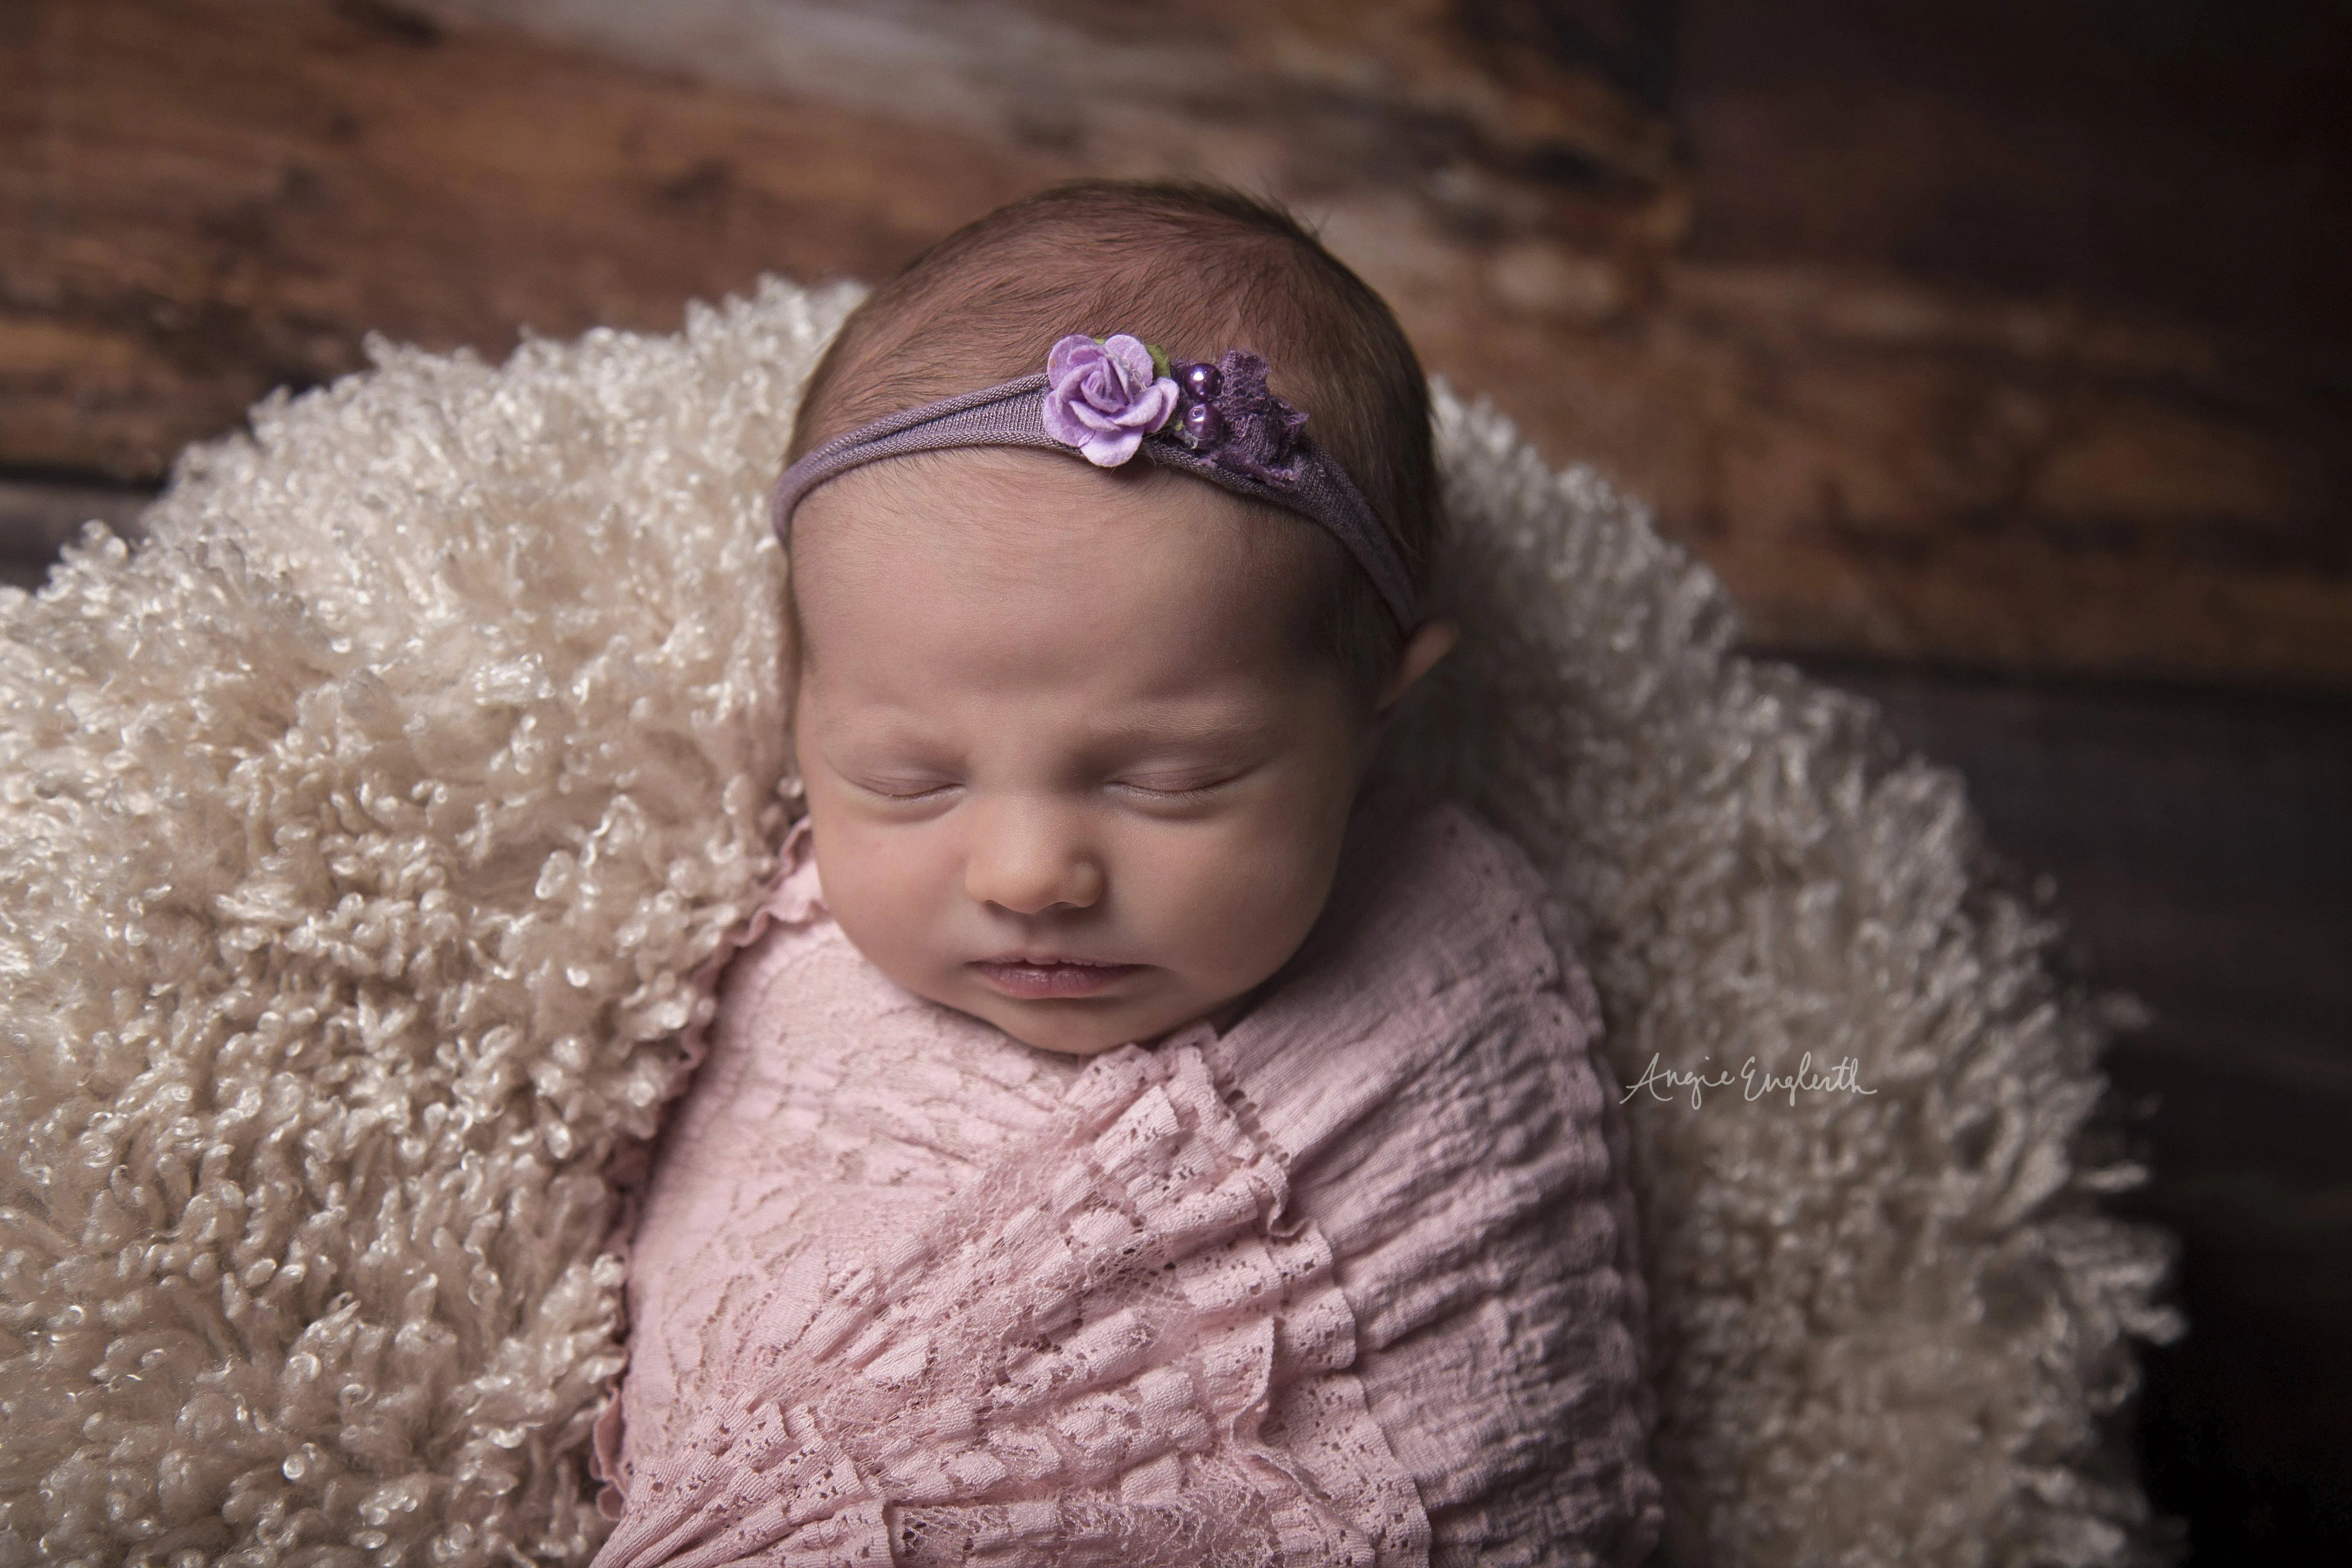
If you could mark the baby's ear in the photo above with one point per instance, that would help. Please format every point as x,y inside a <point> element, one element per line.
<point>1429,642</point>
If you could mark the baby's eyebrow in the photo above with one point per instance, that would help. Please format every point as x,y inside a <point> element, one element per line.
<point>1233,726</point>
<point>889,725</point>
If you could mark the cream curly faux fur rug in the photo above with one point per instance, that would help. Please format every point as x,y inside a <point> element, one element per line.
<point>359,832</point>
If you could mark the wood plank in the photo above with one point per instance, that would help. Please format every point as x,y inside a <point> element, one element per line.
<point>1877,468</point>
<point>200,200</point>
<point>2185,161</point>
<point>204,200</point>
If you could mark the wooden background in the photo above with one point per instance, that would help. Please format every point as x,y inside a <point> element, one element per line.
<point>1997,353</point>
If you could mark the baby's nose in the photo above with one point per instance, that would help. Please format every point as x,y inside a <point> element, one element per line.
<point>1028,858</point>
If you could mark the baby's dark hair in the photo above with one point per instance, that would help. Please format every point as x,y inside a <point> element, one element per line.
<point>1197,269</point>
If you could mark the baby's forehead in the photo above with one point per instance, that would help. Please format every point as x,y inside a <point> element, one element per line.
<point>1036,563</point>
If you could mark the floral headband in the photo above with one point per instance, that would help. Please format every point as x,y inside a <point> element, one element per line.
<point>1109,401</point>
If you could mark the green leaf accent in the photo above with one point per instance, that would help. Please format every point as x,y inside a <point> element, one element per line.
<point>1159,359</point>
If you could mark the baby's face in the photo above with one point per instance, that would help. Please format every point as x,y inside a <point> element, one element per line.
<point>1066,768</point>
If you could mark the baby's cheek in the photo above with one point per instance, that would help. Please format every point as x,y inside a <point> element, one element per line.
<point>1238,906</point>
<point>880,887</point>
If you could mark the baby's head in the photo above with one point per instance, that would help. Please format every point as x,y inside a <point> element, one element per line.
<point>1080,743</point>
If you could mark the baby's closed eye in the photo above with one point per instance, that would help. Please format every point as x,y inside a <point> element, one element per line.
<point>1180,786</point>
<point>910,789</point>
<point>1169,787</point>
<point>901,784</point>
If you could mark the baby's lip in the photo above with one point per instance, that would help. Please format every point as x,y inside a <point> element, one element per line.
<point>1032,976</point>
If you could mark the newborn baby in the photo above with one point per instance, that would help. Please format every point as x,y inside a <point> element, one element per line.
<point>1130,1133</point>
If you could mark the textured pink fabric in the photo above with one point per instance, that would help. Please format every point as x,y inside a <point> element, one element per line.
<point>1353,1282</point>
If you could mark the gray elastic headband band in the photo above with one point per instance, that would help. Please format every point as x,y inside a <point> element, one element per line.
<point>1012,414</point>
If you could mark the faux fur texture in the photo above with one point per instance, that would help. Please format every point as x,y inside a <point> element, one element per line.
<point>362,832</point>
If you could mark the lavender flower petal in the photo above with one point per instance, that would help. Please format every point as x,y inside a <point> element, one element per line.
<point>1133,360</point>
<point>1108,451</point>
<point>1104,396</point>
<point>1065,355</point>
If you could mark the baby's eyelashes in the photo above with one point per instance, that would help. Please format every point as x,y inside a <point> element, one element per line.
<point>908,789</point>
<point>1175,790</point>
<point>1149,790</point>
<point>1187,792</point>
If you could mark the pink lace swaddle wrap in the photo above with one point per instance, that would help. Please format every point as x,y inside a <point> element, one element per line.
<point>1353,1282</point>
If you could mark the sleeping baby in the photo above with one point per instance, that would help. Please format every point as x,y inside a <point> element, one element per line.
<point>1134,1131</point>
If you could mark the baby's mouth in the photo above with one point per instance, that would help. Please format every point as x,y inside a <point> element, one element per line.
<point>1032,978</point>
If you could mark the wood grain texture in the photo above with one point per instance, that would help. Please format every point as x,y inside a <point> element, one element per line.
<point>204,200</point>
<point>201,200</point>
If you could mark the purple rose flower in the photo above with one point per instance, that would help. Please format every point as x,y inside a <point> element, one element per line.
<point>1104,399</point>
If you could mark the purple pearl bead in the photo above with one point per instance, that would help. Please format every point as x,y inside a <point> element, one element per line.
<point>1202,380</point>
<point>1202,427</point>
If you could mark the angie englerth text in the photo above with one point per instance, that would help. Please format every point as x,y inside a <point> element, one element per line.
<point>1664,1082</point>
